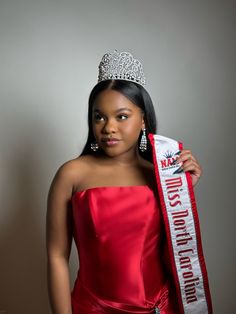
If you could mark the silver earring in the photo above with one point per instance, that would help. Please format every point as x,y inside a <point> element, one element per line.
<point>143,142</point>
<point>94,146</point>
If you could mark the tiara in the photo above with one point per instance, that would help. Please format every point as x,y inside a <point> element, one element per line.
<point>121,66</point>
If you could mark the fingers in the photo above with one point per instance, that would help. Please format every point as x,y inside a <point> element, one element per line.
<point>192,167</point>
<point>186,157</point>
<point>189,163</point>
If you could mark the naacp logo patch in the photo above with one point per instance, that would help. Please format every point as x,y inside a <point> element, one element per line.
<point>169,161</point>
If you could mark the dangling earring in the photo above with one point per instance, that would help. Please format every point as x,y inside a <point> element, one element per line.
<point>143,142</point>
<point>94,146</point>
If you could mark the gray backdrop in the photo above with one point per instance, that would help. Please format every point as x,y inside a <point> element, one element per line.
<point>49,55</point>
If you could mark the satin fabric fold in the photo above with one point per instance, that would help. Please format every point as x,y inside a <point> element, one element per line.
<point>118,233</point>
<point>89,303</point>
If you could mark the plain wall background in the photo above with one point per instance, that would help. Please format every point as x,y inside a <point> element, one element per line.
<point>49,56</point>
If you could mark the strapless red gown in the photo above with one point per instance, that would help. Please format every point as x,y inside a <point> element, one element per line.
<point>118,232</point>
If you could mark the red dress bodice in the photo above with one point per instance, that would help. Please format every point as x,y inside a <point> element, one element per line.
<point>118,233</point>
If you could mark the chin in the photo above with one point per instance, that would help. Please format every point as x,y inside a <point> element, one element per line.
<point>111,152</point>
<point>116,152</point>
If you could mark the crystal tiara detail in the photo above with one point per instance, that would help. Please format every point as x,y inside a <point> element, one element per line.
<point>121,66</point>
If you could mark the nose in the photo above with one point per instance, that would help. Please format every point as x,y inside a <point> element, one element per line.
<point>109,127</point>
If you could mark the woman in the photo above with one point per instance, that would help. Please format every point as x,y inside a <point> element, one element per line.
<point>107,200</point>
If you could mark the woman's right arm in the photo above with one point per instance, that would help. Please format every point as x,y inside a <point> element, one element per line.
<point>59,239</point>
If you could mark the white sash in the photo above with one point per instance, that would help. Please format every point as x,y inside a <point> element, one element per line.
<point>182,227</point>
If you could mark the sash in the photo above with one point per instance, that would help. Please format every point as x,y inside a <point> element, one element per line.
<point>182,227</point>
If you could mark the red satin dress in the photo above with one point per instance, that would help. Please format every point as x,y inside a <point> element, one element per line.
<point>118,233</point>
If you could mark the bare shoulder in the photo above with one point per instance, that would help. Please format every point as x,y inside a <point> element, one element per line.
<point>69,174</point>
<point>75,166</point>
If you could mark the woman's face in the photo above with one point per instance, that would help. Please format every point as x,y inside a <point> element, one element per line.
<point>117,123</point>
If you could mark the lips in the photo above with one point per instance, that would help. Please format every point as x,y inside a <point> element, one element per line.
<point>110,141</point>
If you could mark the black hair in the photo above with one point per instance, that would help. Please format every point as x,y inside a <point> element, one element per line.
<point>134,92</point>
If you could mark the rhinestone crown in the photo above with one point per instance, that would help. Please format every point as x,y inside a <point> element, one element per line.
<point>121,66</point>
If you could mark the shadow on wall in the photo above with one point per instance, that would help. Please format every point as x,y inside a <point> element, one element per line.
<point>23,285</point>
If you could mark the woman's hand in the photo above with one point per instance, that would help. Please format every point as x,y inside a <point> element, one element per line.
<point>190,164</point>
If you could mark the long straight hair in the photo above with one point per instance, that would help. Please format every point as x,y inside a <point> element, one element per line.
<point>135,93</point>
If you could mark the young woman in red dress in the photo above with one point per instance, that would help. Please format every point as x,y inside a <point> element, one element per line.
<point>107,201</point>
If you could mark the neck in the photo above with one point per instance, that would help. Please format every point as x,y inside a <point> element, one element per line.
<point>127,159</point>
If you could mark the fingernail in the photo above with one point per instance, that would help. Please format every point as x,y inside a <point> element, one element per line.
<point>178,160</point>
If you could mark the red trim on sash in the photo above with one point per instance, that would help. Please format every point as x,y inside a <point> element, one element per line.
<point>168,233</point>
<point>199,242</point>
<point>167,228</point>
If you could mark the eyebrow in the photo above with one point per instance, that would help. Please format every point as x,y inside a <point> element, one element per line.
<point>117,111</point>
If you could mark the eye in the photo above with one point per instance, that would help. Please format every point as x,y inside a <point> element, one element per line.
<point>98,117</point>
<point>122,116</point>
